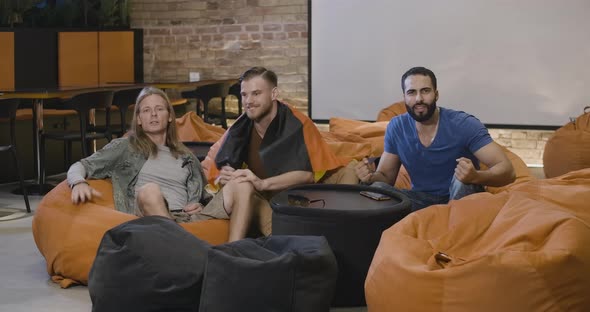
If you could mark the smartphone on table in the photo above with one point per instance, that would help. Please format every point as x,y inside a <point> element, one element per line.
<point>375,195</point>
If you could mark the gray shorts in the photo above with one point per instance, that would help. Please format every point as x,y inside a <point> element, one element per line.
<point>213,210</point>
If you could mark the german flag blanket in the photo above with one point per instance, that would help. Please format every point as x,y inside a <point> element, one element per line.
<point>291,143</point>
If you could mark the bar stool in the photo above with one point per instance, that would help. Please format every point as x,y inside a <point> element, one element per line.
<point>8,109</point>
<point>205,94</point>
<point>235,90</point>
<point>122,101</point>
<point>25,112</point>
<point>84,104</point>
<point>199,149</point>
<point>221,117</point>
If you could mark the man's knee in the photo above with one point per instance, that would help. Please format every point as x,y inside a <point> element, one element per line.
<point>150,200</point>
<point>459,189</point>
<point>234,193</point>
<point>342,175</point>
<point>150,192</point>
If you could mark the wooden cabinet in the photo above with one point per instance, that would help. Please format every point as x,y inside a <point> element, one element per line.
<point>116,61</point>
<point>32,59</point>
<point>99,57</point>
<point>77,56</point>
<point>6,60</point>
<point>28,59</point>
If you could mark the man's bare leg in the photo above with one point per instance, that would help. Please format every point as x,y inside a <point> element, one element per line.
<point>150,201</point>
<point>237,199</point>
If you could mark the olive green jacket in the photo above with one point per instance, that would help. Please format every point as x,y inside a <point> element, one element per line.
<point>121,163</point>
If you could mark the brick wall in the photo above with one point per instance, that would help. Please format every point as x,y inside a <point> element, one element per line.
<point>222,38</point>
<point>528,144</point>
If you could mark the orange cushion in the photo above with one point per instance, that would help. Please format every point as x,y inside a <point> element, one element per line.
<point>363,128</point>
<point>372,132</point>
<point>391,111</point>
<point>521,250</point>
<point>344,124</point>
<point>521,171</point>
<point>27,113</point>
<point>68,235</point>
<point>192,128</point>
<point>180,101</point>
<point>348,145</point>
<point>403,180</point>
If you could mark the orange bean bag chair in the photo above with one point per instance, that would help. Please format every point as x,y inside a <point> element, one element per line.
<point>569,148</point>
<point>374,133</point>
<point>371,132</point>
<point>391,111</point>
<point>68,235</point>
<point>192,128</point>
<point>348,145</point>
<point>521,171</point>
<point>521,250</point>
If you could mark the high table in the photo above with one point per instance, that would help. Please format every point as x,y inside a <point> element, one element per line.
<point>189,84</point>
<point>38,96</point>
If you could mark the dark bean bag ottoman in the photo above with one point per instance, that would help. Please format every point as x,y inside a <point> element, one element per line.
<point>148,264</point>
<point>278,273</point>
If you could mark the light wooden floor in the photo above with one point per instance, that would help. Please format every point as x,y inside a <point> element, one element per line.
<point>25,284</point>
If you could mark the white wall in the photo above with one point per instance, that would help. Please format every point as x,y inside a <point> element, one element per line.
<point>521,62</point>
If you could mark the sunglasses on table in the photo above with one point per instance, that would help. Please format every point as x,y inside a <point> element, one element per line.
<point>302,201</point>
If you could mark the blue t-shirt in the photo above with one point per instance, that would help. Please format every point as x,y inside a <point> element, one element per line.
<point>432,168</point>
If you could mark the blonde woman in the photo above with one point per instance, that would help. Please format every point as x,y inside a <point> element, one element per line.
<point>150,160</point>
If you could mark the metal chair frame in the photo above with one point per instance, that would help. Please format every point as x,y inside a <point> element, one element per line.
<point>8,109</point>
<point>84,104</point>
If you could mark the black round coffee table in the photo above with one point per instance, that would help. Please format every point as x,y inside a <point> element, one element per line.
<point>351,223</point>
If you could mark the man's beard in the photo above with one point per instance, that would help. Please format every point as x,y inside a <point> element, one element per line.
<point>421,118</point>
<point>261,115</point>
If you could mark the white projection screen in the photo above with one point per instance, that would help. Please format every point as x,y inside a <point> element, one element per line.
<point>508,62</point>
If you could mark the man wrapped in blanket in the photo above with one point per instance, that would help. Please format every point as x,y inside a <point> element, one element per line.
<point>268,149</point>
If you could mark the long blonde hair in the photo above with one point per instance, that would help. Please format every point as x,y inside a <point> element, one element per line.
<point>141,142</point>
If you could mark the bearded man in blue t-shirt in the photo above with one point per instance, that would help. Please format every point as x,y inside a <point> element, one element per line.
<point>440,148</point>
